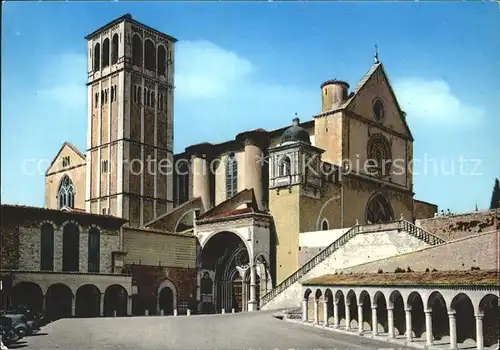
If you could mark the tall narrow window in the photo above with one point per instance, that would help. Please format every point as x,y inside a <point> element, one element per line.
<point>231,175</point>
<point>149,55</point>
<point>97,56</point>
<point>139,94</point>
<point>71,248</point>
<point>66,193</point>
<point>114,49</point>
<point>162,58</point>
<point>135,93</point>
<point>105,53</point>
<point>136,50</point>
<point>47,247</point>
<point>94,249</point>
<point>285,166</point>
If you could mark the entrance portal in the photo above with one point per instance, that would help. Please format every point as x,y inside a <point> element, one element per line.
<point>166,301</point>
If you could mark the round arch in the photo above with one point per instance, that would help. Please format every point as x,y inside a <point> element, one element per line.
<point>88,301</point>
<point>58,301</point>
<point>205,239</point>
<point>224,253</point>
<point>465,317</point>
<point>115,300</point>
<point>29,294</point>
<point>166,297</point>
<point>181,221</point>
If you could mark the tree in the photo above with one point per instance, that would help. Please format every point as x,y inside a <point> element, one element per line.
<point>495,196</point>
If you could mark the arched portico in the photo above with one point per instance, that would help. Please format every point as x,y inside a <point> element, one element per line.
<point>226,254</point>
<point>29,294</point>
<point>166,298</point>
<point>465,317</point>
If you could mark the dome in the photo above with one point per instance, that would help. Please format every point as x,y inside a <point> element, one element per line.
<point>295,133</point>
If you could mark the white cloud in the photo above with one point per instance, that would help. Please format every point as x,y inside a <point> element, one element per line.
<point>222,94</point>
<point>65,75</point>
<point>205,70</point>
<point>433,101</point>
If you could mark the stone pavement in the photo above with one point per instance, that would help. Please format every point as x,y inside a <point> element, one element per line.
<point>257,330</point>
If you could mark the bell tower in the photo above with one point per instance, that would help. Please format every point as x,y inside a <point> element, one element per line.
<point>129,154</point>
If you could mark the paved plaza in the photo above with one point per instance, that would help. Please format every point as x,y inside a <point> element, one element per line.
<point>259,330</point>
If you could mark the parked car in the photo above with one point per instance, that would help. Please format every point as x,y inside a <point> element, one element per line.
<point>23,326</point>
<point>9,334</point>
<point>28,313</point>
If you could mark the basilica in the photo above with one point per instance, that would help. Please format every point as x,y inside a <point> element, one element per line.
<point>227,224</point>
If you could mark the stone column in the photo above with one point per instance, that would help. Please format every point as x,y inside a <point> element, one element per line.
<point>325,312</point>
<point>44,303</point>
<point>428,327</point>
<point>255,142</point>
<point>360,318</point>
<point>304,310</point>
<point>316,311</point>
<point>408,324</point>
<point>374,321</point>
<point>336,315</point>
<point>129,305</point>
<point>453,330</point>
<point>73,306</point>
<point>201,173</point>
<point>347,317</point>
<point>479,331</point>
<point>102,304</point>
<point>390,322</point>
<point>252,303</point>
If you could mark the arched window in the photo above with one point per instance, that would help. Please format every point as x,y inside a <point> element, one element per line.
<point>150,56</point>
<point>139,95</point>
<point>135,92</point>
<point>379,152</point>
<point>379,210</point>
<point>136,50</point>
<point>152,99</point>
<point>324,225</point>
<point>114,49</point>
<point>66,193</point>
<point>47,247</point>
<point>71,248</point>
<point>94,249</point>
<point>231,175</point>
<point>105,53</point>
<point>162,58</point>
<point>285,166</point>
<point>97,56</point>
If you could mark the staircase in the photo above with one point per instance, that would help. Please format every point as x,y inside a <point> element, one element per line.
<point>295,278</point>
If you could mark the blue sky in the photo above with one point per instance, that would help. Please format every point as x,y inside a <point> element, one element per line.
<point>249,65</point>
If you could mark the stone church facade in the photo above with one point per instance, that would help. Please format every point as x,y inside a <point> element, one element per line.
<point>222,227</point>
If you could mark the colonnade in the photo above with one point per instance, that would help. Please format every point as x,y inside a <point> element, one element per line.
<point>407,314</point>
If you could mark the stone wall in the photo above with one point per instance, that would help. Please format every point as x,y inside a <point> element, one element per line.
<point>30,240</point>
<point>9,244</point>
<point>479,251</point>
<point>147,279</point>
<point>423,210</point>
<point>312,243</point>
<point>155,248</point>
<point>361,249</point>
<point>462,225</point>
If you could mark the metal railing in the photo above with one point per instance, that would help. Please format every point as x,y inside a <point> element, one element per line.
<point>401,225</point>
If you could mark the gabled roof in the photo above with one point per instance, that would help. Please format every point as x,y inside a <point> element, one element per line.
<point>363,81</point>
<point>244,197</point>
<point>70,145</point>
